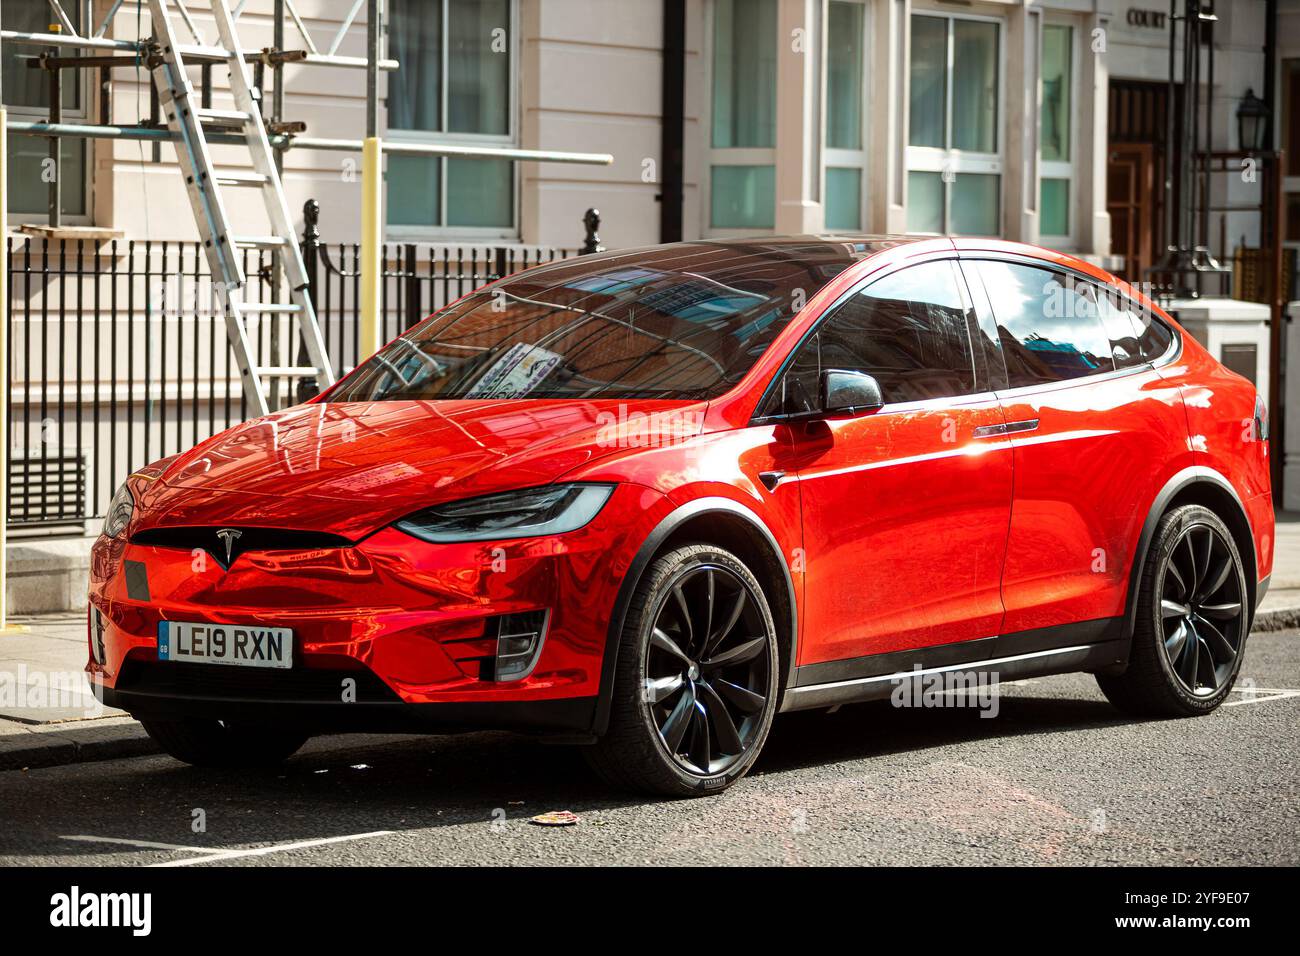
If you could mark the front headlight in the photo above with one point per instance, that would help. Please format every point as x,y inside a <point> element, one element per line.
<point>553,509</point>
<point>119,512</point>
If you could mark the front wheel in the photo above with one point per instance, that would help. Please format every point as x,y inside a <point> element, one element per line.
<point>695,685</point>
<point>1193,614</point>
<point>216,743</point>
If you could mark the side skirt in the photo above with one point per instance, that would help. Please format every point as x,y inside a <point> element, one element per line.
<point>1095,647</point>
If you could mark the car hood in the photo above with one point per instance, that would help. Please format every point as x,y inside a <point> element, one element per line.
<point>351,468</point>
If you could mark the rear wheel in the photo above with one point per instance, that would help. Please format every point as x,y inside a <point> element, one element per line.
<point>216,743</point>
<point>695,686</point>
<point>1193,615</point>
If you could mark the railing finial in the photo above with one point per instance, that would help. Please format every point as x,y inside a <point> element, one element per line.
<point>591,219</point>
<point>311,222</point>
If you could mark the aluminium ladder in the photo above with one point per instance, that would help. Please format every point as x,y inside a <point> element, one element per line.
<point>222,246</point>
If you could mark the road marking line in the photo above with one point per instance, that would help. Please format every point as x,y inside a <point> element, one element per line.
<point>265,850</point>
<point>1239,689</point>
<point>143,844</point>
<point>1259,695</point>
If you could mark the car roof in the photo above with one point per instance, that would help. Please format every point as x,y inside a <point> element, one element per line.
<point>775,265</point>
<point>826,253</point>
<point>850,247</point>
<point>769,263</point>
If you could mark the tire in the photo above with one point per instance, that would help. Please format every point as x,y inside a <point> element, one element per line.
<point>1190,635</point>
<point>713,694</point>
<point>214,743</point>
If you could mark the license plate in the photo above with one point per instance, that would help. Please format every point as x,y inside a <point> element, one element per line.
<point>242,644</point>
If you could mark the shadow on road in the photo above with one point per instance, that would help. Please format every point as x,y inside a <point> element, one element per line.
<point>353,785</point>
<point>862,731</point>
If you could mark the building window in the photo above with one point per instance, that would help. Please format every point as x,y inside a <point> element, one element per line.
<point>742,160</point>
<point>1056,147</point>
<point>845,146</point>
<point>954,168</point>
<point>27,97</point>
<point>455,85</point>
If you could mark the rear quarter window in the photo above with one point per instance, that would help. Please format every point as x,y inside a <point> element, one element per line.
<point>1137,336</point>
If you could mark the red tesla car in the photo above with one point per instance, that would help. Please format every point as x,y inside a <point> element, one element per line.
<point>644,501</point>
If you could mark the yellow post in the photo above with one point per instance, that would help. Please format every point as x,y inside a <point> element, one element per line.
<point>372,236</point>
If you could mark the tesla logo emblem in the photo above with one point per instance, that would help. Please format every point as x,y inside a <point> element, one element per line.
<point>228,537</point>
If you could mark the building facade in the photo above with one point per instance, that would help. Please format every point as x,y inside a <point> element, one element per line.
<point>1036,120</point>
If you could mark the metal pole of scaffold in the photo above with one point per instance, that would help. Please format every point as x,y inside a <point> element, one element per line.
<point>5,626</point>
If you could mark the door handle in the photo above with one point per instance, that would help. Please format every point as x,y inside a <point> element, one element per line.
<point>1006,428</point>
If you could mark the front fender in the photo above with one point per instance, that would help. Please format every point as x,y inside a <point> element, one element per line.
<point>645,554</point>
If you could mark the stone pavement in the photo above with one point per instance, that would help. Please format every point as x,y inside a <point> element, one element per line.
<point>1281,606</point>
<point>47,713</point>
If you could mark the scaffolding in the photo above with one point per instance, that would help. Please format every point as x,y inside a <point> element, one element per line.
<point>284,135</point>
<point>191,128</point>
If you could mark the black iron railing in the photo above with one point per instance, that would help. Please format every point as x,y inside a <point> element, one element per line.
<point>118,353</point>
<point>117,356</point>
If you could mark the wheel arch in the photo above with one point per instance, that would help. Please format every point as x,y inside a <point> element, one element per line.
<point>1196,485</point>
<point>727,524</point>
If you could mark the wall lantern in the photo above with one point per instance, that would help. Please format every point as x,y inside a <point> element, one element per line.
<point>1252,123</point>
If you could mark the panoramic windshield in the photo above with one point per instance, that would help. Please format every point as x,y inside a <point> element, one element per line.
<point>684,321</point>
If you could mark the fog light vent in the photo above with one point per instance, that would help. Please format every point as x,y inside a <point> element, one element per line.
<point>519,643</point>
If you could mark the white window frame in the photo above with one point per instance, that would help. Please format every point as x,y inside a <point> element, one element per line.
<point>1067,169</point>
<point>81,115</point>
<point>850,158</point>
<point>930,159</point>
<point>510,140</point>
<point>726,155</point>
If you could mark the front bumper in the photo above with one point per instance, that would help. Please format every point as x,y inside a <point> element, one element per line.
<point>389,634</point>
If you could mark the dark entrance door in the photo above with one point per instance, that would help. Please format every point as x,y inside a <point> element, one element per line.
<point>1131,200</point>
<point>1135,180</point>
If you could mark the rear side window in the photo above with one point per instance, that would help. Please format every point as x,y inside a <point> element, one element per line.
<point>909,330</point>
<point>1048,324</point>
<point>1136,335</point>
<point>1121,329</point>
<point>1154,337</point>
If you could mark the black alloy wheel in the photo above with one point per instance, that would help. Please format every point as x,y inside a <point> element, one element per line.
<point>696,678</point>
<point>1202,610</point>
<point>707,669</point>
<point>1192,617</point>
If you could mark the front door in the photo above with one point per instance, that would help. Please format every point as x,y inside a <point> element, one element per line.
<point>905,508</point>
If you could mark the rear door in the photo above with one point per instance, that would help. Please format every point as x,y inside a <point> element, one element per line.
<point>1093,427</point>
<point>905,509</point>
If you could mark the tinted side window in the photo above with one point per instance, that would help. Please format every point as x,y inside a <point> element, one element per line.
<point>1121,329</point>
<point>1154,337</point>
<point>1136,335</point>
<point>908,330</point>
<point>1048,325</point>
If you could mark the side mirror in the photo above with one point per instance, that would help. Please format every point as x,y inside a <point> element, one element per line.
<point>849,393</point>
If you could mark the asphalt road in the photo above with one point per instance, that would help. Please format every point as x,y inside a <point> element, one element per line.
<point>1057,777</point>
